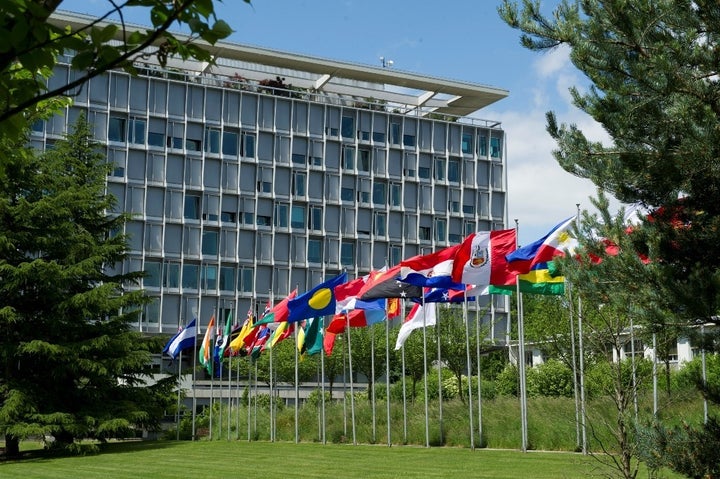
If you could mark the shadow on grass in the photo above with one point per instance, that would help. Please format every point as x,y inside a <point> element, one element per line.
<point>92,449</point>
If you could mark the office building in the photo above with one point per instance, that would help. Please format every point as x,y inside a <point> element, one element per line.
<point>271,171</point>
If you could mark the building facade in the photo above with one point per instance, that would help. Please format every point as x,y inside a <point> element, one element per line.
<point>270,171</point>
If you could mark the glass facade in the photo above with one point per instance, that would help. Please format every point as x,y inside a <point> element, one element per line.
<point>239,193</point>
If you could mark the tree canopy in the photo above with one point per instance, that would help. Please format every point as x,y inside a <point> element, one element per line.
<point>33,40</point>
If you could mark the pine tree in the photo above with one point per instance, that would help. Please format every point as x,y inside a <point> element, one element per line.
<point>72,365</point>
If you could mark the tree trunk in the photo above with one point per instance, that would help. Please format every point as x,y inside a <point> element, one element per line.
<point>12,446</point>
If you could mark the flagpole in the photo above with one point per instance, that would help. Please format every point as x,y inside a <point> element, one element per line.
<point>297,385</point>
<point>229,389</point>
<point>272,395</point>
<point>372,382</point>
<point>479,363</point>
<point>352,392</point>
<point>344,388</point>
<point>177,414</point>
<point>469,368</point>
<point>322,382</point>
<point>249,396</point>
<point>255,399</point>
<point>575,371</point>
<point>521,360</point>
<point>439,369</point>
<point>582,379</point>
<point>425,374</point>
<point>402,354</point>
<point>195,356</point>
<point>387,377</point>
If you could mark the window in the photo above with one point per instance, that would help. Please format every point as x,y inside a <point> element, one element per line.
<point>439,169</point>
<point>347,127</point>
<point>378,137</point>
<point>228,216</point>
<point>364,160</point>
<point>264,183</point>
<point>281,215</point>
<point>153,271</point>
<point>156,139</point>
<point>315,218</point>
<point>245,279</point>
<point>297,216</point>
<point>298,184</point>
<point>440,229</point>
<point>190,274</point>
<point>314,252</point>
<point>347,254</point>
<point>424,172</point>
<point>230,144</point>
<point>137,131</point>
<point>395,133</point>
<point>212,140</point>
<point>468,227</point>
<point>379,194</point>
<point>495,147</point>
<point>466,144</point>
<point>468,209</point>
<point>348,158</point>
<point>227,278</point>
<point>347,194</point>
<point>262,220</point>
<point>192,207</point>
<point>482,145</point>
<point>634,346</point>
<point>453,173</point>
<point>117,129</point>
<point>171,278</point>
<point>454,201</point>
<point>409,140</point>
<point>395,254</point>
<point>364,193</point>
<point>380,224</point>
<point>316,153</point>
<point>209,277</point>
<point>210,242</point>
<point>248,145</point>
<point>395,194</point>
<point>424,233</point>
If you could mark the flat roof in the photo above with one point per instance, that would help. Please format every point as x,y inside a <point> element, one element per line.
<point>426,93</point>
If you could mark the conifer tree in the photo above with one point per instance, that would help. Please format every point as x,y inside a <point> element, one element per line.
<point>72,365</point>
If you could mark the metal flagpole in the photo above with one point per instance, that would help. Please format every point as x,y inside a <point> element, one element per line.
<point>255,400</point>
<point>352,392</point>
<point>521,360</point>
<point>238,401</point>
<point>272,397</point>
<point>655,376</point>
<point>404,389</point>
<point>195,356</point>
<point>318,374</point>
<point>574,368</point>
<point>249,396</point>
<point>229,390</point>
<point>704,376</point>
<point>439,370</point>
<point>582,379</point>
<point>344,390</point>
<point>479,358</point>
<point>372,383</point>
<point>425,374</point>
<point>297,385</point>
<point>387,377</point>
<point>322,380</point>
<point>177,413</point>
<point>469,368</point>
<point>634,368</point>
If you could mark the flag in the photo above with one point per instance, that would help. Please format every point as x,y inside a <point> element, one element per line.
<point>258,345</point>
<point>278,313</point>
<point>205,356</point>
<point>445,295</point>
<point>419,316</point>
<point>543,250</point>
<point>357,318</point>
<point>328,342</point>
<point>393,307</point>
<point>313,343</point>
<point>185,338</point>
<point>432,270</point>
<point>319,301</point>
<point>346,294</point>
<point>387,285</point>
<point>280,333</point>
<point>238,342</point>
<point>544,278</point>
<point>225,338</point>
<point>480,259</point>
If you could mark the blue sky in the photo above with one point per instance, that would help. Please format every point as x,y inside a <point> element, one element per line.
<point>457,39</point>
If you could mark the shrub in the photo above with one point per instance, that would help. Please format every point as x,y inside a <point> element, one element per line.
<point>552,378</point>
<point>508,381</point>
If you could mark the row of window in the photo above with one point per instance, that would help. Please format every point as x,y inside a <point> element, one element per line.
<point>215,140</point>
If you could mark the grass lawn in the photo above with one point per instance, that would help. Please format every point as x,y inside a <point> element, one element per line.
<point>220,459</point>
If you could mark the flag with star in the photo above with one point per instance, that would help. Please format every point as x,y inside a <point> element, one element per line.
<point>387,285</point>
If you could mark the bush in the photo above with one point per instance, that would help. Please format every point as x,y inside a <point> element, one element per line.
<point>508,381</point>
<point>552,378</point>
<point>599,379</point>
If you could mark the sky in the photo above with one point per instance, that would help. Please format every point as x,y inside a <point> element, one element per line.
<point>457,40</point>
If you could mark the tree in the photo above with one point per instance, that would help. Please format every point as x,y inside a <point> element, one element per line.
<point>73,366</point>
<point>653,72</point>
<point>33,41</point>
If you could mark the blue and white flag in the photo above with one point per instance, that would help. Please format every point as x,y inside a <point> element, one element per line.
<point>184,339</point>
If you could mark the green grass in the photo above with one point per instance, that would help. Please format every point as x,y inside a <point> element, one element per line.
<point>220,459</point>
